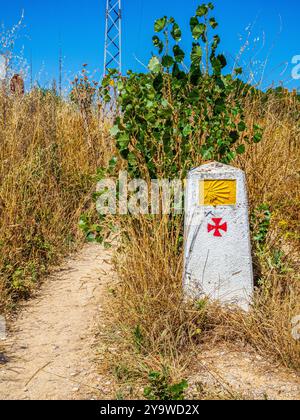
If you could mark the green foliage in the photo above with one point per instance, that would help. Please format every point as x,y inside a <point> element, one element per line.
<point>160,388</point>
<point>95,232</point>
<point>277,261</point>
<point>201,304</point>
<point>160,24</point>
<point>260,223</point>
<point>177,116</point>
<point>138,338</point>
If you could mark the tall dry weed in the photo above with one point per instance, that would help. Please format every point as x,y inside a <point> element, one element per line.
<point>157,326</point>
<point>48,158</point>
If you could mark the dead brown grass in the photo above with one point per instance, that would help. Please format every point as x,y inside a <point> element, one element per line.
<point>156,327</point>
<point>273,173</point>
<point>48,156</point>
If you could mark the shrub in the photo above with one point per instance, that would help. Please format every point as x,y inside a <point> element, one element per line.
<point>161,389</point>
<point>172,118</point>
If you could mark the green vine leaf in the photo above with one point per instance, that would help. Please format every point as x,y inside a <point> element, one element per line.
<point>178,54</point>
<point>199,30</point>
<point>169,115</point>
<point>158,44</point>
<point>154,65</point>
<point>167,61</point>
<point>196,54</point>
<point>241,149</point>
<point>238,71</point>
<point>160,24</point>
<point>202,10</point>
<point>213,23</point>
<point>176,32</point>
<point>114,130</point>
<point>193,22</point>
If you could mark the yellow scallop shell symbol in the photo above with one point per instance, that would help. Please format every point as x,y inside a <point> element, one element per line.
<point>219,192</point>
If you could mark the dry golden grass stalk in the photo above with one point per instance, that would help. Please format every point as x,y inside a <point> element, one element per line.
<point>157,327</point>
<point>48,158</point>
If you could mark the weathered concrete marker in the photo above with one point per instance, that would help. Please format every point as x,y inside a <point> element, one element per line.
<point>218,259</point>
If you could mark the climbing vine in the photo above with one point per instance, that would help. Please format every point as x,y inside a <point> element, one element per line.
<point>185,110</point>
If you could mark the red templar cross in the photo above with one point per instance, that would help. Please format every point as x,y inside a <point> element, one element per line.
<point>217,227</point>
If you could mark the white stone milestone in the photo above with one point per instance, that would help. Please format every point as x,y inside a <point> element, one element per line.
<point>218,261</point>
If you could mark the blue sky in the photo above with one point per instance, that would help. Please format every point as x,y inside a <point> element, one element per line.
<point>274,35</point>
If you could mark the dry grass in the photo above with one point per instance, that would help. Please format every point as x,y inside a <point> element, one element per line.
<point>156,328</point>
<point>48,156</point>
<point>273,172</point>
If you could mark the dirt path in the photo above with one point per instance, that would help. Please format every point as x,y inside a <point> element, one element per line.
<point>228,371</point>
<point>50,347</point>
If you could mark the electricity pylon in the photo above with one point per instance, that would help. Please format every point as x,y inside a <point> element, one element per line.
<point>113,36</point>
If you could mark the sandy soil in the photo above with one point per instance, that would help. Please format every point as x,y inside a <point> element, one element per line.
<point>230,372</point>
<point>51,349</point>
<point>49,352</point>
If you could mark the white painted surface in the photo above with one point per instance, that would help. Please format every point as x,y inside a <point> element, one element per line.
<point>218,267</point>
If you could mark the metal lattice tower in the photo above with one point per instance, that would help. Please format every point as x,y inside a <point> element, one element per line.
<point>113,36</point>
